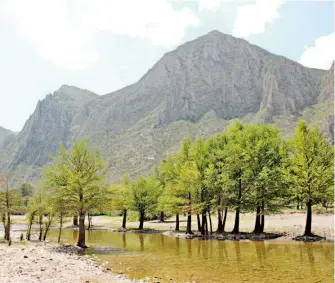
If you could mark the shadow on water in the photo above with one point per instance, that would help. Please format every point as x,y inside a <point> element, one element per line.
<point>184,260</point>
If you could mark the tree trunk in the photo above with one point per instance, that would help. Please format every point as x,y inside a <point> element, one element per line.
<point>210,220</point>
<point>224,218</point>
<point>308,227</point>
<point>40,221</point>
<point>189,215</point>
<point>236,229</point>
<point>75,220</point>
<point>124,219</point>
<point>219,203</point>
<point>161,216</point>
<point>257,229</point>
<point>204,229</point>
<point>47,228</point>
<point>7,227</point>
<point>177,222</point>
<point>220,227</point>
<point>30,223</point>
<point>199,224</point>
<point>141,220</point>
<point>262,218</point>
<point>60,227</point>
<point>81,238</point>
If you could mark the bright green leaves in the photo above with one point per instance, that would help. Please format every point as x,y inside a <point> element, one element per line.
<point>75,177</point>
<point>311,164</point>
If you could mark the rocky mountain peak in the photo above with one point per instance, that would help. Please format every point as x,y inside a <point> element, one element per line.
<point>196,89</point>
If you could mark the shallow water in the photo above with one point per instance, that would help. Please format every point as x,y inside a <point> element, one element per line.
<point>180,260</point>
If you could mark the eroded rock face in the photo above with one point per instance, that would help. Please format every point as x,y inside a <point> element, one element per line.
<point>194,90</point>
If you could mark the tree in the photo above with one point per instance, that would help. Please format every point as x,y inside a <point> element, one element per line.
<point>236,171</point>
<point>186,170</point>
<point>311,167</point>
<point>144,194</point>
<point>120,197</point>
<point>214,177</point>
<point>200,159</point>
<point>76,176</point>
<point>8,201</point>
<point>36,207</point>
<point>264,155</point>
<point>26,191</point>
<point>187,187</point>
<point>172,199</point>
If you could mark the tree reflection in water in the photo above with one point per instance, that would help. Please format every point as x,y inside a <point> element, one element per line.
<point>140,236</point>
<point>258,261</point>
<point>124,240</point>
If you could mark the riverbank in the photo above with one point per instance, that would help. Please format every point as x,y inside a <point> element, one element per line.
<point>290,224</point>
<point>47,262</point>
<point>287,224</point>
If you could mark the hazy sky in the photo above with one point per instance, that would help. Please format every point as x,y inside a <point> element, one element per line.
<point>103,45</point>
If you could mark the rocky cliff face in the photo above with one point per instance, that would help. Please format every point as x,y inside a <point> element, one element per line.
<point>196,89</point>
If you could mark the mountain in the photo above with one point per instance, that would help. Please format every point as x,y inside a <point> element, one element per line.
<point>196,89</point>
<point>5,136</point>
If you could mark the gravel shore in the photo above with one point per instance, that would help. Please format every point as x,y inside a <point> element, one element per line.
<point>47,262</point>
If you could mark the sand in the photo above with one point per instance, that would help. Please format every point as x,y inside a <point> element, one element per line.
<point>47,262</point>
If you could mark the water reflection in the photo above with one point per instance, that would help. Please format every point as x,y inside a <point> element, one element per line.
<point>311,259</point>
<point>260,251</point>
<point>189,247</point>
<point>207,261</point>
<point>177,246</point>
<point>141,238</point>
<point>124,240</point>
<point>75,235</point>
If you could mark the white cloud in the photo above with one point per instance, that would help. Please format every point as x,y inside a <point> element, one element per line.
<point>321,54</point>
<point>62,30</point>
<point>253,18</point>
<point>47,25</point>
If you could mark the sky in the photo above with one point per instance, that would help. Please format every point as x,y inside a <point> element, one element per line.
<point>104,45</point>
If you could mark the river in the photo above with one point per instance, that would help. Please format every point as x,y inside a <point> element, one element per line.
<point>180,260</point>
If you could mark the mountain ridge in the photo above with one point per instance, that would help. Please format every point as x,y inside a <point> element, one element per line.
<point>196,89</point>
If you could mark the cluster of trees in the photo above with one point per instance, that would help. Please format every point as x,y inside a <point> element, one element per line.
<point>12,201</point>
<point>244,168</point>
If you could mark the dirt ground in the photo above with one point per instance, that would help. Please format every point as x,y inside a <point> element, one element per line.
<point>46,262</point>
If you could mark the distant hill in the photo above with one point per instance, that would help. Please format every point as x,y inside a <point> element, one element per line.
<point>196,89</point>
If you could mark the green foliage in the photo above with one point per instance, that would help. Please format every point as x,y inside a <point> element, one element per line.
<point>75,178</point>
<point>311,165</point>
<point>245,168</point>
<point>26,191</point>
<point>144,194</point>
<point>120,194</point>
<point>76,183</point>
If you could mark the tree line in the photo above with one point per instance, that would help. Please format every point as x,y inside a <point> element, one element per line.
<point>245,168</point>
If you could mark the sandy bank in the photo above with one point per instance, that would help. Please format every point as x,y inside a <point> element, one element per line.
<point>46,262</point>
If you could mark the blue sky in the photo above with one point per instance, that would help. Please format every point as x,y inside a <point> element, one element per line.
<point>103,45</point>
